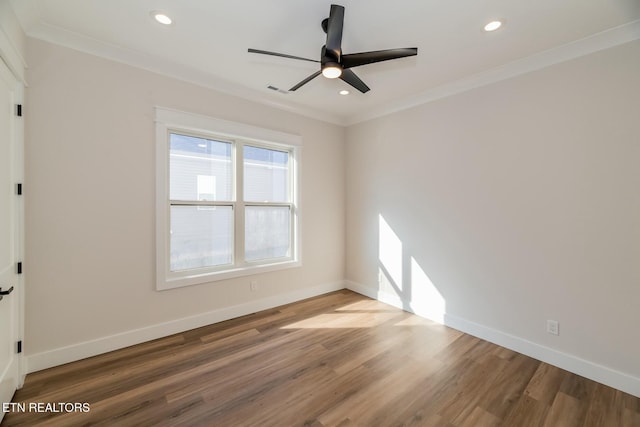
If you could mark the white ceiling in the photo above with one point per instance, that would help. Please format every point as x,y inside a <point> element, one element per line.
<point>208,42</point>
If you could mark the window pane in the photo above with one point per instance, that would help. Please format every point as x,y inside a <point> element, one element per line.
<point>266,175</point>
<point>199,169</point>
<point>267,232</point>
<point>201,236</point>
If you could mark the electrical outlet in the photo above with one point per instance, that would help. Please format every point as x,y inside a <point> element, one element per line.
<point>553,327</point>
<point>253,286</point>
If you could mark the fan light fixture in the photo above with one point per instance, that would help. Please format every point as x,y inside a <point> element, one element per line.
<point>332,70</point>
<point>333,63</point>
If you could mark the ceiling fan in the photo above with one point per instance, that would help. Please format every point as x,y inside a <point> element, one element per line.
<point>333,63</point>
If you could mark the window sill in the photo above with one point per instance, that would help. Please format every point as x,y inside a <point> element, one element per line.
<point>186,279</point>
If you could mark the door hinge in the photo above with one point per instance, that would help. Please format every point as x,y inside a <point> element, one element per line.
<point>19,189</point>
<point>19,346</point>
<point>19,110</point>
<point>19,268</point>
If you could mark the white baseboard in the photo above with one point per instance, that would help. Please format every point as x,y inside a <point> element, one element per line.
<point>82,350</point>
<point>602,374</point>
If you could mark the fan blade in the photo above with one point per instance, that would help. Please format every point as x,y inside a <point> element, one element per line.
<point>266,52</point>
<point>305,81</point>
<point>351,78</point>
<point>334,31</point>
<point>356,59</point>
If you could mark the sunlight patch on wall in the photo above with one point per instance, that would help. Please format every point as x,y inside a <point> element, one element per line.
<point>401,276</point>
<point>389,255</point>
<point>425,299</point>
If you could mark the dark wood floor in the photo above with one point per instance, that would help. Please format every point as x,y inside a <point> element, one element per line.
<point>336,360</point>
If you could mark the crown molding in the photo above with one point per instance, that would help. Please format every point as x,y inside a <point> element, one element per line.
<point>594,43</point>
<point>72,40</point>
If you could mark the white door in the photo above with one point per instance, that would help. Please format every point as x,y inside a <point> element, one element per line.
<point>10,235</point>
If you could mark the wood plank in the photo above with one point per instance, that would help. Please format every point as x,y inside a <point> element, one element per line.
<point>375,394</point>
<point>545,383</point>
<point>565,412</point>
<point>605,407</point>
<point>527,412</point>
<point>480,417</point>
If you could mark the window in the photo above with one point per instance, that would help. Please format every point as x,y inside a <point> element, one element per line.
<point>226,199</point>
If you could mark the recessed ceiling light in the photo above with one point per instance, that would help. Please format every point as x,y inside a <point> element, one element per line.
<point>493,25</point>
<point>161,17</point>
<point>344,92</point>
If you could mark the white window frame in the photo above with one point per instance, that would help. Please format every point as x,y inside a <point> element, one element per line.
<point>173,121</point>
